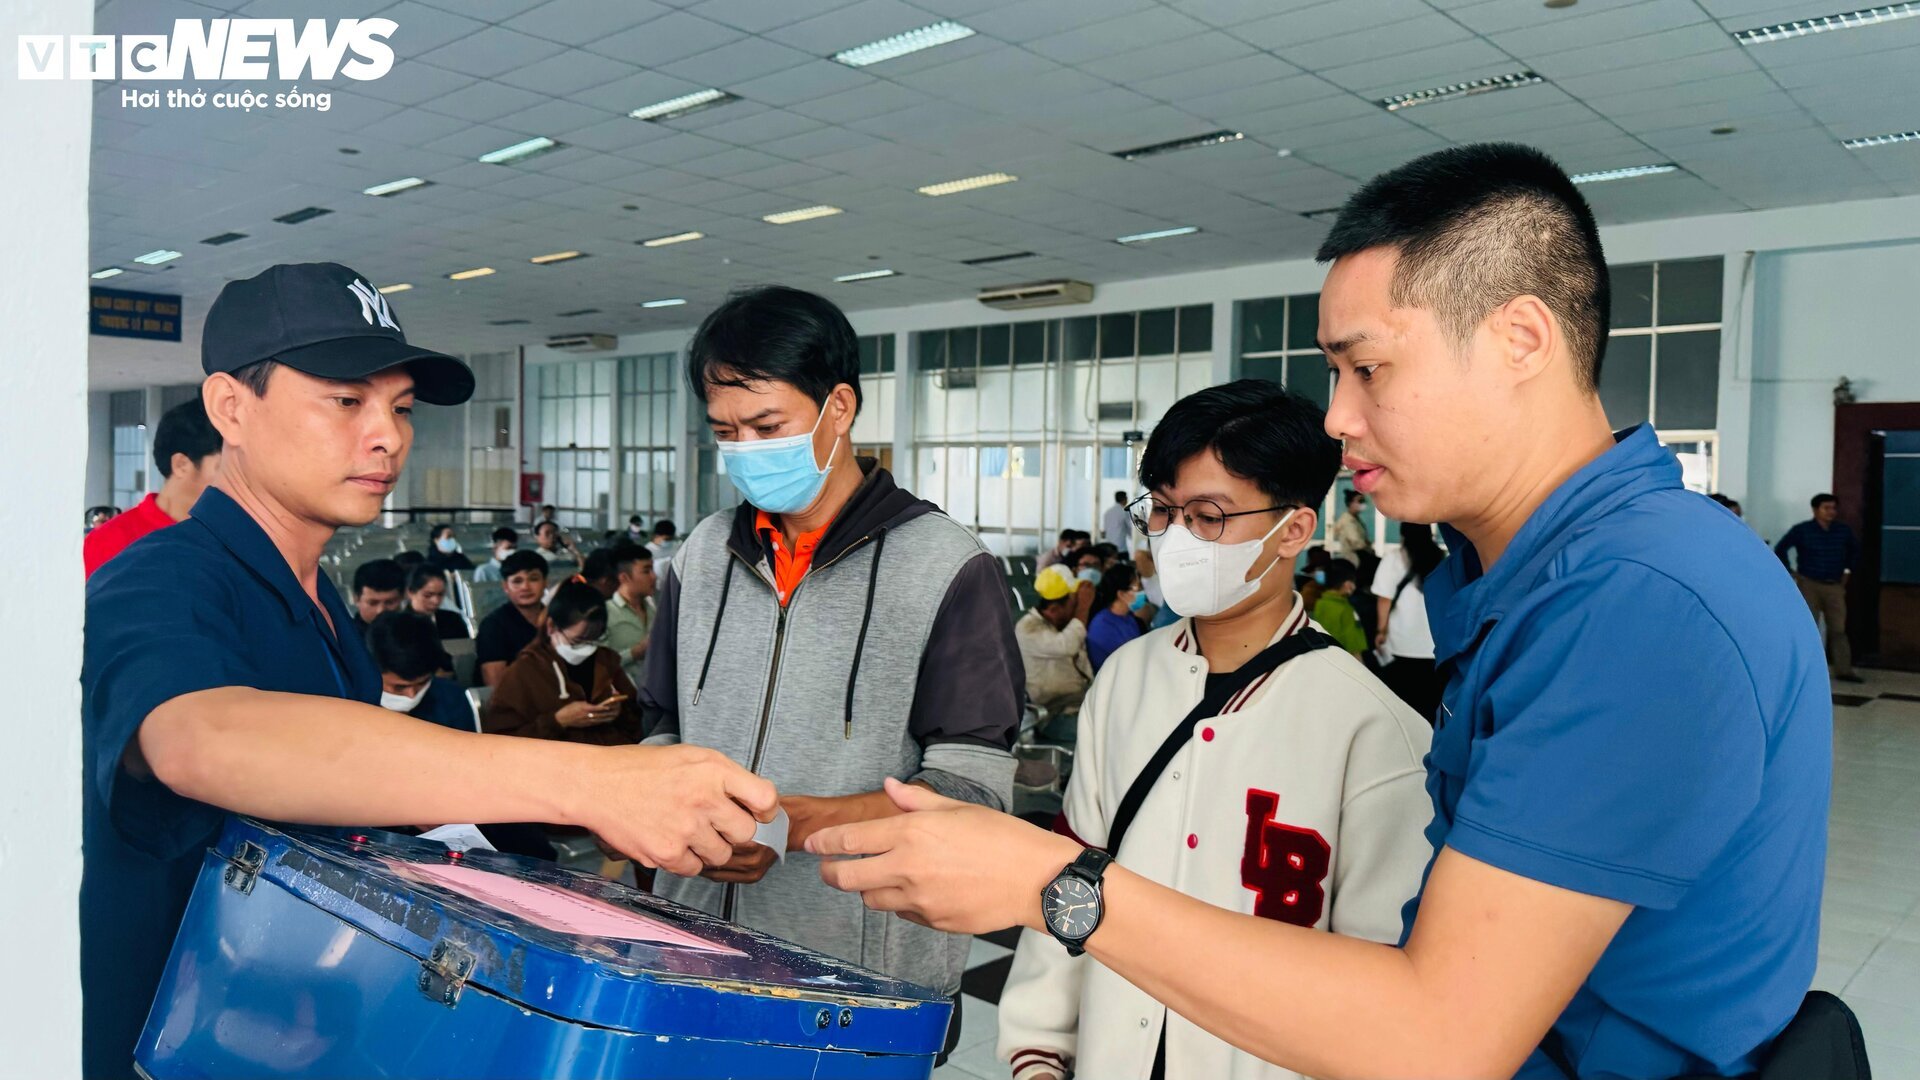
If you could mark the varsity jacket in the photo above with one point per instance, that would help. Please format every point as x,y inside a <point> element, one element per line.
<point>894,656</point>
<point>1302,801</point>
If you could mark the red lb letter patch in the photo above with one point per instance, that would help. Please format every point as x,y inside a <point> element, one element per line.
<point>1283,865</point>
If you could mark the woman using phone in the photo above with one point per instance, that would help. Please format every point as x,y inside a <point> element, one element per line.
<point>564,684</point>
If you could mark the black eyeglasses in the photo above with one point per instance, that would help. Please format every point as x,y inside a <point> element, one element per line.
<point>1203,517</point>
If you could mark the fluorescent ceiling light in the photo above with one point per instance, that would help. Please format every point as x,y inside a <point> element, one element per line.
<point>943,32</point>
<point>1846,20</point>
<point>788,217</point>
<point>556,257</point>
<point>1211,138</point>
<point>1627,173</point>
<point>1459,90</point>
<point>395,187</point>
<point>520,151</point>
<point>155,258</point>
<point>1157,234</point>
<point>674,108</point>
<point>463,275</point>
<point>387,290</point>
<point>106,272</point>
<point>867,275</point>
<point>676,238</point>
<point>952,187</point>
<point>669,302</point>
<point>1865,141</point>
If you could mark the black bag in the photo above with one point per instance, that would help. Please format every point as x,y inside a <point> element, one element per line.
<point>1267,660</point>
<point>1821,1042</point>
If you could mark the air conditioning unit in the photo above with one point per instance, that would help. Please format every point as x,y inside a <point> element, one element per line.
<point>965,378</point>
<point>1037,294</point>
<point>582,342</point>
<point>1118,410</point>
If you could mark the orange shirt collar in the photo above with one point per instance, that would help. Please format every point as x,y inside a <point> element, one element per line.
<point>789,567</point>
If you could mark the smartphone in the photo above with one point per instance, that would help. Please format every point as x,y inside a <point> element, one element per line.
<point>614,700</point>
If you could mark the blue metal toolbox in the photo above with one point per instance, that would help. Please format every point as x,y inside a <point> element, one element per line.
<point>334,953</point>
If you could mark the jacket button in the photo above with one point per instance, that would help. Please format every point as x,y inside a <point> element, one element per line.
<point>1207,734</point>
<point>1193,841</point>
<point>1194,669</point>
<point>1176,776</point>
<point>1143,1021</point>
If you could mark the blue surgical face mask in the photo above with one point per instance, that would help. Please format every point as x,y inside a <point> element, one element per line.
<point>447,545</point>
<point>778,475</point>
<point>1139,601</point>
<point>1090,576</point>
<point>1320,576</point>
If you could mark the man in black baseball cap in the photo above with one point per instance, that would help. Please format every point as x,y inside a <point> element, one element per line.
<point>326,321</point>
<point>222,673</point>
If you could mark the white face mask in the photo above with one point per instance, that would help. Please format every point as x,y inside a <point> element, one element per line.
<point>447,545</point>
<point>1205,577</point>
<point>400,702</point>
<point>574,654</point>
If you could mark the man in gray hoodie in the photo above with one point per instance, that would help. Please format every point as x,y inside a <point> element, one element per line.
<point>832,631</point>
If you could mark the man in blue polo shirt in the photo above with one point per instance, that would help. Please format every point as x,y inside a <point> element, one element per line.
<point>1631,771</point>
<point>1827,552</point>
<point>222,672</point>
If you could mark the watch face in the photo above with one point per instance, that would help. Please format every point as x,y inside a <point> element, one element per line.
<point>1071,907</point>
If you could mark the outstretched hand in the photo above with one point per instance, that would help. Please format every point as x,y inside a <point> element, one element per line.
<point>944,863</point>
<point>679,808</point>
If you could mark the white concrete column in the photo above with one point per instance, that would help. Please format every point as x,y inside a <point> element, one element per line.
<point>43,420</point>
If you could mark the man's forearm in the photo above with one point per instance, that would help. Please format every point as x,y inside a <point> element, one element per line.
<point>324,761</point>
<point>811,813</point>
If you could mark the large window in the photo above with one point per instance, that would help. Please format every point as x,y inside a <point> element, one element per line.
<point>493,457</point>
<point>128,414</point>
<point>1023,429</point>
<point>1662,363</point>
<point>576,439</point>
<point>1277,343</point>
<point>648,435</point>
<point>873,428</point>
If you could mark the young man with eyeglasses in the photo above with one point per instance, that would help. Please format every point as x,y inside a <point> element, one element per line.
<point>1298,794</point>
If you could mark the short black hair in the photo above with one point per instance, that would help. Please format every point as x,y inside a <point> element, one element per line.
<point>625,553</point>
<point>771,333</point>
<point>420,573</point>
<point>1106,550</point>
<point>380,575</point>
<point>406,644</point>
<point>1120,497</point>
<point>1824,497</point>
<point>634,519</point>
<point>1341,572</point>
<point>1476,226</point>
<point>665,527</point>
<point>574,602</point>
<point>438,529</point>
<point>1261,432</point>
<point>184,429</point>
<point>520,562</point>
<point>548,506</point>
<point>256,375</point>
<point>1112,584</point>
<point>554,525</point>
<point>1353,495</point>
<point>507,534</point>
<point>1066,535</point>
<point>407,560</point>
<point>599,564</point>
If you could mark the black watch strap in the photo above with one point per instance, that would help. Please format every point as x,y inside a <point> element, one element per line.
<point>1091,865</point>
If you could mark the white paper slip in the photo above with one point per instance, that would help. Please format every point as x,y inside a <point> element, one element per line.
<point>459,837</point>
<point>774,833</point>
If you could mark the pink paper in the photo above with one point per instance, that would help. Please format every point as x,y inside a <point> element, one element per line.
<point>558,909</point>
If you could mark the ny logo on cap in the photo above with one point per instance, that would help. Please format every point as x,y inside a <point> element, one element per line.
<point>372,304</point>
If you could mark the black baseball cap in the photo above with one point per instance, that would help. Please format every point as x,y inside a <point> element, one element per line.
<point>326,320</point>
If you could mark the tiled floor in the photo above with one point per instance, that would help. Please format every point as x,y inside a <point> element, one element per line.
<point>1870,927</point>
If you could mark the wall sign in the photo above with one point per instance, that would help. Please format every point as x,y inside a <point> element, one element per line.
<point>118,313</point>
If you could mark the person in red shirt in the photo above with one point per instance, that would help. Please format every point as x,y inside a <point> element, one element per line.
<point>186,450</point>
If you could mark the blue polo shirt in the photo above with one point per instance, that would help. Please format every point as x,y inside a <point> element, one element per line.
<point>1637,708</point>
<point>208,603</point>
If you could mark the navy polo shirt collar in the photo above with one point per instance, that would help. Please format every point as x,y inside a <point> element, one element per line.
<point>1462,598</point>
<point>240,534</point>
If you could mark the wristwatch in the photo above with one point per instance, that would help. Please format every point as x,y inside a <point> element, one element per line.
<point>1072,904</point>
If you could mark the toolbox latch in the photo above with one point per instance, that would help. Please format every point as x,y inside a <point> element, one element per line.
<point>244,866</point>
<point>445,972</point>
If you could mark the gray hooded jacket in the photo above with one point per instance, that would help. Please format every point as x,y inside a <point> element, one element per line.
<point>894,656</point>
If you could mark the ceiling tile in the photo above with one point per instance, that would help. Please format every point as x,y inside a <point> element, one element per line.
<point>845,27</point>
<point>806,82</point>
<point>1615,24</point>
<point>582,22</point>
<point>658,42</point>
<point>738,61</point>
<point>566,72</point>
<point>1422,32</point>
<point>492,51</point>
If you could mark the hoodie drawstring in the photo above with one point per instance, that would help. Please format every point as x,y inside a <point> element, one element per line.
<point>726,585</point>
<point>860,645</point>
